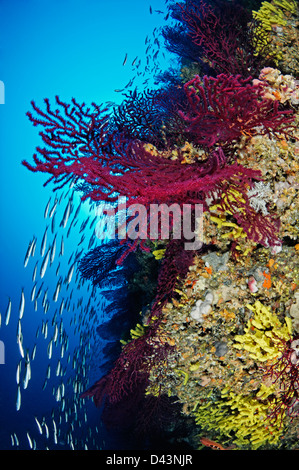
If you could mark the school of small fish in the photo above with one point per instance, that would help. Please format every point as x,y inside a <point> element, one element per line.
<point>151,68</point>
<point>65,343</point>
<point>68,363</point>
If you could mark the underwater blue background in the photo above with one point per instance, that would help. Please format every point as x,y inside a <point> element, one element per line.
<point>69,48</point>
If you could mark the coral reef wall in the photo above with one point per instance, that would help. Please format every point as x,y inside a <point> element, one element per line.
<point>220,334</point>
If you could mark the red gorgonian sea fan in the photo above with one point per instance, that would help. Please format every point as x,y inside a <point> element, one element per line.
<point>285,372</point>
<point>78,144</point>
<point>224,108</point>
<point>227,37</point>
<point>140,355</point>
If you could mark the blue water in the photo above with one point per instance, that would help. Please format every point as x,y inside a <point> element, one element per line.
<point>69,48</point>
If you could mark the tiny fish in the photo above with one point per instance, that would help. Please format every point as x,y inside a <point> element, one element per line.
<point>33,353</point>
<point>61,307</point>
<point>18,399</point>
<point>28,253</point>
<point>44,242</point>
<point>57,290</point>
<point>134,61</point>
<point>55,335</point>
<point>50,348</point>
<point>66,215</point>
<point>53,208</point>
<point>125,59</point>
<point>57,269</point>
<point>27,376</point>
<point>61,247</point>
<point>33,246</point>
<point>58,368</point>
<point>19,329</point>
<point>45,263</point>
<point>16,439</point>
<point>44,384</point>
<point>70,273</point>
<point>45,298</point>
<point>19,341</point>
<point>22,305</point>
<point>8,312</point>
<point>38,425</point>
<point>46,429</point>
<point>58,394</point>
<point>33,292</point>
<point>30,441</point>
<point>34,272</point>
<point>47,208</point>
<point>18,372</point>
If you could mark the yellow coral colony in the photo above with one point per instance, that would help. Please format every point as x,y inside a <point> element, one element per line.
<point>273,13</point>
<point>264,334</point>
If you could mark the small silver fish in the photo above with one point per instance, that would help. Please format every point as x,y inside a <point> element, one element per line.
<point>33,353</point>
<point>53,208</point>
<point>8,312</point>
<point>46,429</point>
<point>19,341</point>
<point>57,290</point>
<point>55,335</point>
<point>18,372</point>
<point>45,263</point>
<point>44,242</point>
<point>70,273</point>
<point>47,208</point>
<point>38,425</point>
<point>66,215</point>
<point>61,247</point>
<point>28,253</point>
<point>22,305</point>
<point>34,272</point>
<point>50,349</point>
<point>53,251</point>
<point>33,292</point>
<point>30,441</point>
<point>27,375</point>
<point>18,399</point>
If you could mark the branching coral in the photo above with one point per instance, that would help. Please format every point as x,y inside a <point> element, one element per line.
<point>129,169</point>
<point>224,108</point>
<point>278,20</point>
<point>285,373</point>
<point>256,226</point>
<point>146,352</point>
<point>241,418</point>
<point>151,116</point>
<point>226,37</point>
<point>264,334</point>
<point>259,196</point>
<point>271,14</point>
<point>270,342</point>
<point>137,153</point>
